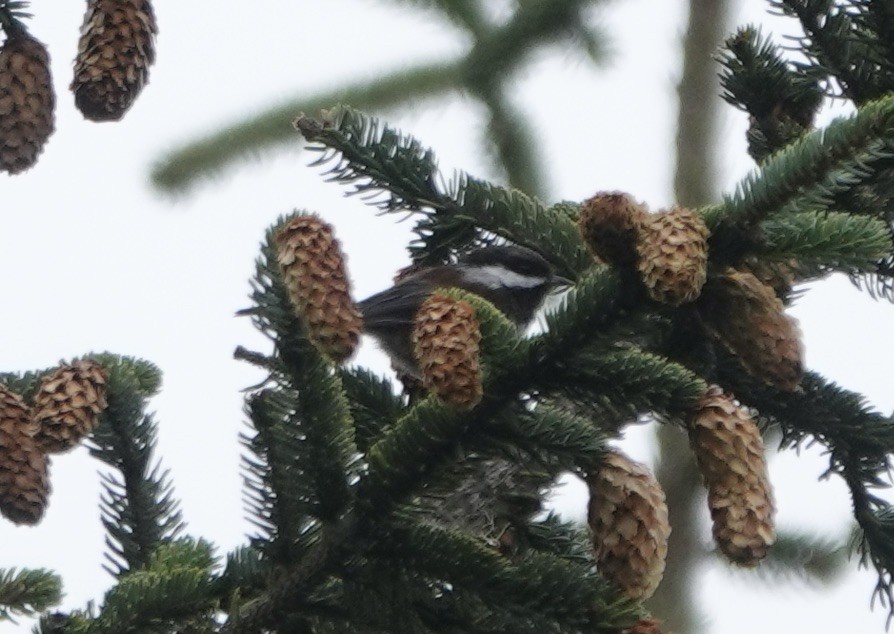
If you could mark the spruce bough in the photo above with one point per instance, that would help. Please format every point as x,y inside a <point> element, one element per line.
<point>353,489</point>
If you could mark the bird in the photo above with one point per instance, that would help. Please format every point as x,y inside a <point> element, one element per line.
<point>514,279</point>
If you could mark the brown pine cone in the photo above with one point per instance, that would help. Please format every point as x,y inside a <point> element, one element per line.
<point>628,520</point>
<point>672,255</point>
<point>314,273</point>
<point>730,455</point>
<point>780,276</point>
<point>446,340</point>
<point>114,54</point>
<point>27,101</point>
<point>746,316</point>
<point>608,224</point>
<point>24,469</point>
<point>67,404</point>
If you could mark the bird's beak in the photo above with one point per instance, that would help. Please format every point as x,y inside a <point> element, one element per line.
<point>560,283</point>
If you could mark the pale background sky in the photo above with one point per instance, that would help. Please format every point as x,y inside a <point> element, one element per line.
<point>96,260</point>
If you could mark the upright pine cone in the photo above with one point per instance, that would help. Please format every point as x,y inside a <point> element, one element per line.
<point>314,273</point>
<point>114,54</point>
<point>24,469</point>
<point>748,318</point>
<point>730,455</point>
<point>672,255</point>
<point>445,340</point>
<point>608,224</point>
<point>628,519</point>
<point>67,404</point>
<point>27,101</point>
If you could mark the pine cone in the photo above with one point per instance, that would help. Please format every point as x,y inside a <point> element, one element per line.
<point>24,469</point>
<point>445,339</point>
<point>628,520</point>
<point>780,276</point>
<point>68,403</point>
<point>27,101</point>
<point>608,224</point>
<point>314,273</point>
<point>748,318</point>
<point>730,455</point>
<point>672,255</point>
<point>114,54</point>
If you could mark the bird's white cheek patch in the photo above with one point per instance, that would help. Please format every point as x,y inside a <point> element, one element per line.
<point>497,276</point>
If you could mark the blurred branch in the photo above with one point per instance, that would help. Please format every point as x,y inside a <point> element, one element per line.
<point>695,183</point>
<point>695,174</point>
<point>807,557</point>
<point>182,167</point>
<point>485,71</point>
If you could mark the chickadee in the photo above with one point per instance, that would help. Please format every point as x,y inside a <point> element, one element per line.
<point>514,279</point>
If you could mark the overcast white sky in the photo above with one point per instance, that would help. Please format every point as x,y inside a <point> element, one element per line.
<point>95,260</point>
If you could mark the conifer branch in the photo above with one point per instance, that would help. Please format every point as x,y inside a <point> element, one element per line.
<point>807,174</point>
<point>374,405</point>
<point>12,15</point>
<point>392,172</point>
<point>207,156</point>
<point>834,240</point>
<point>27,592</point>
<point>411,448</point>
<point>837,47</point>
<point>511,214</point>
<point>804,556</point>
<point>277,491</point>
<point>562,590</point>
<point>283,598</point>
<point>533,24</point>
<point>313,413</point>
<point>757,79</point>
<point>322,412</point>
<point>558,439</point>
<point>877,18</point>
<point>173,590</point>
<point>512,140</point>
<point>495,53</point>
<point>244,575</point>
<point>860,443</point>
<point>596,303</point>
<point>781,97</point>
<point>629,381</point>
<point>395,173</point>
<point>875,541</point>
<point>466,14</point>
<point>139,510</point>
<point>566,539</point>
<point>879,283</point>
<point>415,444</point>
